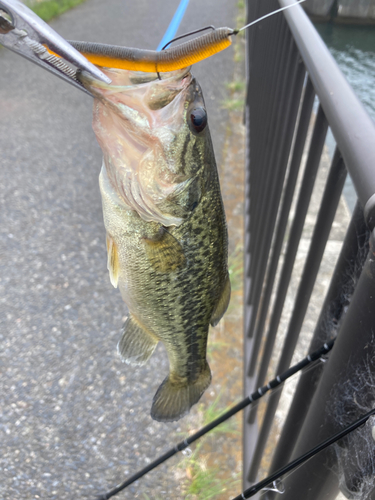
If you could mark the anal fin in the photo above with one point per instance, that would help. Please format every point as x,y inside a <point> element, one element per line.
<point>222,305</point>
<point>136,345</point>
<point>112,261</point>
<point>164,252</point>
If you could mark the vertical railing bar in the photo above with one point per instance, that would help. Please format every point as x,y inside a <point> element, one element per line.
<point>253,61</point>
<point>327,211</point>
<point>271,136</point>
<point>252,37</point>
<point>303,125</point>
<point>256,105</point>
<point>259,118</point>
<point>271,112</point>
<point>251,14</point>
<point>260,102</point>
<point>345,276</point>
<point>257,214</point>
<point>269,66</point>
<point>279,159</point>
<point>253,169</point>
<point>264,165</point>
<point>312,164</point>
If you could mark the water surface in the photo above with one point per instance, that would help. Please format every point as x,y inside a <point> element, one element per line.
<point>353,47</point>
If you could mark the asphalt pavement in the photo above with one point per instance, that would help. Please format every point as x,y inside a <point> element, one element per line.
<point>74,420</point>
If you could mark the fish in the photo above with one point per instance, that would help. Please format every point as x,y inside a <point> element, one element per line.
<point>165,224</point>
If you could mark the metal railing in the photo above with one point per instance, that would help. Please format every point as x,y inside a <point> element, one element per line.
<point>288,69</point>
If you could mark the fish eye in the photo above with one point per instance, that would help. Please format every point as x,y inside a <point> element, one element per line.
<point>198,119</point>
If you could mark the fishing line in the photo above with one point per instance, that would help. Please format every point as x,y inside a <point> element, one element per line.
<point>303,458</point>
<point>267,15</point>
<point>274,384</point>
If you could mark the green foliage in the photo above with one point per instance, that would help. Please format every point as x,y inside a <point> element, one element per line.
<point>236,86</point>
<point>215,345</point>
<point>240,21</point>
<point>213,412</point>
<point>239,54</point>
<point>204,482</point>
<point>241,18</point>
<point>146,497</point>
<point>233,104</point>
<point>49,9</point>
<point>235,267</point>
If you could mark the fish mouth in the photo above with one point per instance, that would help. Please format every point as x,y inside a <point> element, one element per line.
<point>155,90</point>
<point>144,102</point>
<point>138,120</point>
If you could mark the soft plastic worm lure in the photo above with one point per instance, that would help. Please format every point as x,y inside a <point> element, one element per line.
<point>178,57</point>
<point>151,61</point>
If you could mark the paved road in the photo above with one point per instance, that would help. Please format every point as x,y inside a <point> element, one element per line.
<point>74,420</point>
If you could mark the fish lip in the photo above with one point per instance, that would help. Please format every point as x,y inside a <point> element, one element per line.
<point>91,83</point>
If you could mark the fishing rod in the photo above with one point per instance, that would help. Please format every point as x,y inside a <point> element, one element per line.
<point>273,481</point>
<point>273,478</point>
<point>259,393</point>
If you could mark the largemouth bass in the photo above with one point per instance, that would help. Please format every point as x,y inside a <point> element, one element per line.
<point>165,224</point>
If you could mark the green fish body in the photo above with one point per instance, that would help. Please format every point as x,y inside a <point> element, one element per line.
<point>165,223</point>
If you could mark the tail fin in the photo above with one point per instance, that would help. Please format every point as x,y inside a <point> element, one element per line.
<point>173,401</point>
<point>136,345</point>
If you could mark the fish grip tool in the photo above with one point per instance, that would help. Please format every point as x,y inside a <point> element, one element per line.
<point>273,384</point>
<point>23,32</point>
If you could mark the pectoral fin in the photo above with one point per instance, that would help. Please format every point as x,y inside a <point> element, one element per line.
<point>112,261</point>
<point>164,252</point>
<point>222,305</point>
<point>136,345</point>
